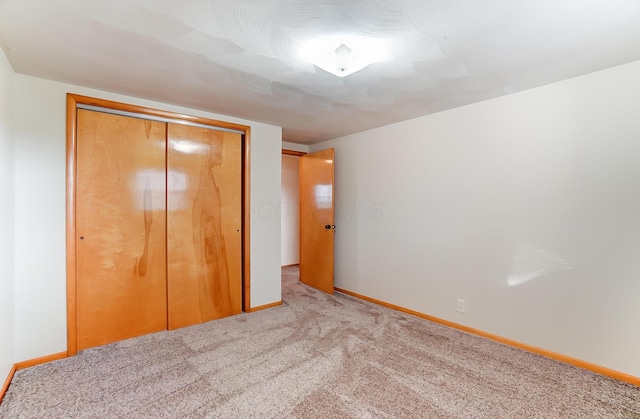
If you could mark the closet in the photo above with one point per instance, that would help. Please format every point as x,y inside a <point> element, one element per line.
<point>158,225</point>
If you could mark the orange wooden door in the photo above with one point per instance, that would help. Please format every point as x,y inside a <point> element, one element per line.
<point>317,219</point>
<point>121,228</point>
<point>204,227</point>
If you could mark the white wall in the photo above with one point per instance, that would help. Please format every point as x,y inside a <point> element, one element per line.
<point>290,211</point>
<point>526,206</point>
<point>40,290</point>
<point>295,147</point>
<point>6,218</point>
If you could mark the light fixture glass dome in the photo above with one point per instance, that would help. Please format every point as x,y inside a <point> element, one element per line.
<point>343,55</point>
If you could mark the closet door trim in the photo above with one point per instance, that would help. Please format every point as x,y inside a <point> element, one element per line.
<point>155,118</point>
<point>75,102</point>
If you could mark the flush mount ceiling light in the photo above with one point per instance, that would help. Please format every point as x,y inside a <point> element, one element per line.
<point>343,55</point>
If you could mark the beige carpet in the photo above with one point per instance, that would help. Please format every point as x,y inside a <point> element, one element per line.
<point>317,356</point>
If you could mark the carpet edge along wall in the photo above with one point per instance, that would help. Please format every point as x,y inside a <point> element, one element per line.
<point>618,375</point>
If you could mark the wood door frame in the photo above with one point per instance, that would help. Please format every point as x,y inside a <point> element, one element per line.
<point>288,152</point>
<point>294,153</point>
<point>73,101</point>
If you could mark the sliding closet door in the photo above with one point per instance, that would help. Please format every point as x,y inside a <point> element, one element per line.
<point>204,229</point>
<point>121,228</point>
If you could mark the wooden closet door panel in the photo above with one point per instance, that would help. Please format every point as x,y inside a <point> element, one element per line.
<point>121,227</point>
<point>204,259</point>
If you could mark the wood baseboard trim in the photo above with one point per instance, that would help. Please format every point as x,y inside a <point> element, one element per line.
<point>618,375</point>
<point>290,265</point>
<point>42,360</point>
<point>266,306</point>
<point>26,364</point>
<point>7,382</point>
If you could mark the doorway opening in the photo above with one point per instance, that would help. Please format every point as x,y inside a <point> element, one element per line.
<point>316,217</point>
<point>290,211</point>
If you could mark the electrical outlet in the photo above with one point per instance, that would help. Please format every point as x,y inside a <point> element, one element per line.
<point>460,307</point>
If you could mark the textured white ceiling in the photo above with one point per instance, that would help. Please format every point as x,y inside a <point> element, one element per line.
<point>240,57</point>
